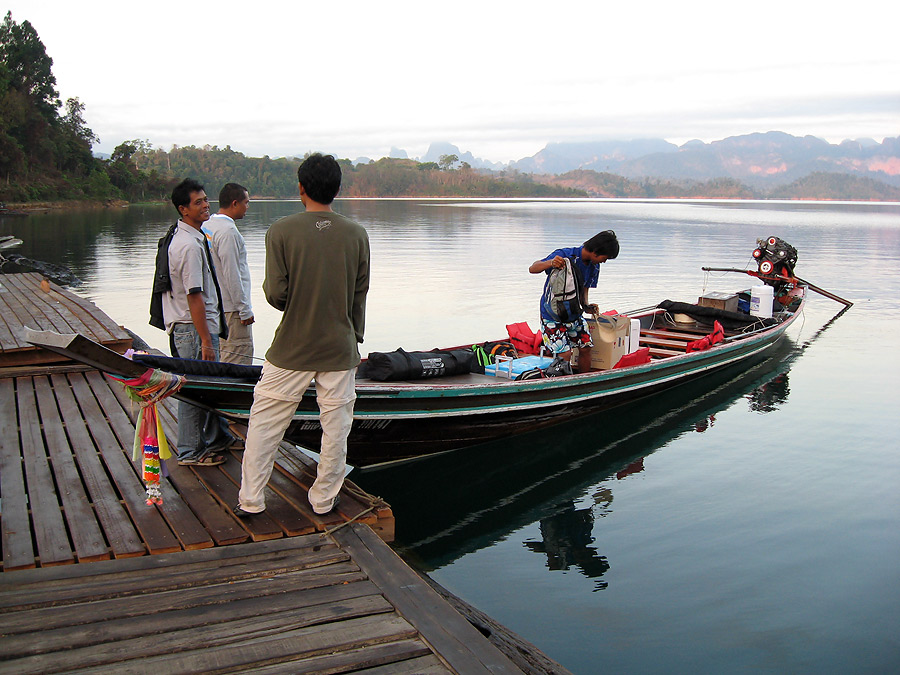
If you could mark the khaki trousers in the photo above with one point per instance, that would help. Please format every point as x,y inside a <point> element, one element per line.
<point>238,348</point>
<point>275,399</point>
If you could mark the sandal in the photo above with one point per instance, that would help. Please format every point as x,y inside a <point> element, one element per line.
<point>211,459</point>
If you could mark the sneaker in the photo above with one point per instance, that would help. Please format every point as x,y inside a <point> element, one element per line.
<point>333,508</point>
<point>209,459</point>
<point>240,513</point>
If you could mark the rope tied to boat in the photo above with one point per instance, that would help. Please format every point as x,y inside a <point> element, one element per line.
<point>150,443</point>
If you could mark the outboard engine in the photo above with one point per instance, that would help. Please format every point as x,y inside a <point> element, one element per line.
<point>776,257</point>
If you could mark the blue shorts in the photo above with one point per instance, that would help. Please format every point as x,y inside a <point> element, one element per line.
<point>562,337</point>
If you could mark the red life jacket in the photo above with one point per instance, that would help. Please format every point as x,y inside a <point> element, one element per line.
<point>525,340</point>
<point>708,341</point>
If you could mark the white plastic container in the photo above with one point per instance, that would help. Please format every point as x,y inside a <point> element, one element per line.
<point>761,300</point>
<point>634,336</point>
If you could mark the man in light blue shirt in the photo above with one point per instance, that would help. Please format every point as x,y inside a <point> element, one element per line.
<point>229,254</point>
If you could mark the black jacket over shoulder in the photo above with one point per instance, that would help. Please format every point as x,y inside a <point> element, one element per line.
<point>161,281</point>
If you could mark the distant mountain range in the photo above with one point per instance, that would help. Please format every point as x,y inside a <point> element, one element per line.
<point>760,160</point>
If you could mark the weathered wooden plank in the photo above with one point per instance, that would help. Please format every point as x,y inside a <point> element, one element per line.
<point>287,483</point>
<point>117,527</point>
<point>7,338</point>
<point>288,609</point>
<point>112,609</point>
<point>40,302</point>
<point>82,525</point>
<point>178,515</point>
<point>155,580</point>
<point>403,656</point>
<point>660,342</point>
<point>36,369</point>
<point>81,312</point>
<point>288,514</point>
<point>185,560</point>
<point>355,503</point>
<point>46,517</point>
<point>522,653</point>
<point>250,652</point>
<point>670,334</point>
<point>424,665</point>
<point>22,304</point>
<point>663,353</point>
<point>445,629</point>
<point>291,473</point>
<point>149,522</point>
<point>73,317</point>
<point>220,486</point>
<point>18,315</point>
<point>18,552</point>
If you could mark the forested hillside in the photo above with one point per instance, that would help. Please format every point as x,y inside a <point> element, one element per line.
<point>46,155</point>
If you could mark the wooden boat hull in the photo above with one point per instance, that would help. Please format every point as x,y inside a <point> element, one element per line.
<point>402,425</point>
<point>398,421</point>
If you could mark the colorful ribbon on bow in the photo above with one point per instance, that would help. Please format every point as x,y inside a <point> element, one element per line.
<point>149,438</point>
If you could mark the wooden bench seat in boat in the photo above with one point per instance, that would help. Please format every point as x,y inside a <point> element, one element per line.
<point>677,345</point>
<point>673,335</point>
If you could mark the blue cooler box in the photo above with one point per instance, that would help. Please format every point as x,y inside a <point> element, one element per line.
<point>516,367</point>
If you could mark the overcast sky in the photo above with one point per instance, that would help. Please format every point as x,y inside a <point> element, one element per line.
<point>497,79</point>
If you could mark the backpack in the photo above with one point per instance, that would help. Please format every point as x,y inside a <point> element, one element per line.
<point>485,352</point>
<point>564,291</point>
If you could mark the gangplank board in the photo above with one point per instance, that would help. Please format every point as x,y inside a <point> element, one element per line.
<point>313,603</point>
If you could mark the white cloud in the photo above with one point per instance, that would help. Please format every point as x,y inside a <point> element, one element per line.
<point>499,79</point>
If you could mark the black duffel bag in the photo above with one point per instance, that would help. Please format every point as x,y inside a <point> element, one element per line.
<point>403,365</point>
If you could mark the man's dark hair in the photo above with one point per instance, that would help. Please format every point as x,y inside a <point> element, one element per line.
<point>604,243</point>
<point>320,176</point>
<point>231,193</point>
<point>181,195</point>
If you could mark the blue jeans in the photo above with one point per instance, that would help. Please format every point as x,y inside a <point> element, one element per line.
<point>198,429</point>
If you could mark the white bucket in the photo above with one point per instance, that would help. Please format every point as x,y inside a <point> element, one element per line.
<point>761,300</point>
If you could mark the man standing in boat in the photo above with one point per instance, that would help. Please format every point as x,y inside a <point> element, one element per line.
<point>561,336</point>
<point>317,273</point>
<point>192,312</point>
<point>229,255</point>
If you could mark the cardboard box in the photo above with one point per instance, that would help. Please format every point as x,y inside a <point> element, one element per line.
<point>610,335</point>
<point>726,301</point>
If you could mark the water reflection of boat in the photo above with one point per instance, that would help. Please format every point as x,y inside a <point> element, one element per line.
<point>8,241</point>
<point>479,495</point>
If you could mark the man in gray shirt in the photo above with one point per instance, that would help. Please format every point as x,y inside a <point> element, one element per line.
<point>192,319</point>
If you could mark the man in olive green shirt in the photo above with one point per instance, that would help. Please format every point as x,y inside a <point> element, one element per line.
<point>317,273</point>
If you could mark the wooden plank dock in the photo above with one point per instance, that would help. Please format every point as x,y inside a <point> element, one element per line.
<point>28,299</point>
<point>95,580</point>
<point>70,492</point>
<point>316,603</point>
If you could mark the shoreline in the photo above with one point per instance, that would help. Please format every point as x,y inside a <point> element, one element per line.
<point>72,203</point>
<point>24,208</point>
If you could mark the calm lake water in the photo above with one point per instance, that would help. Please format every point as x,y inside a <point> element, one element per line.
<point>747,523</point>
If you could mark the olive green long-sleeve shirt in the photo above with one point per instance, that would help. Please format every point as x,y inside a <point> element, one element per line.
<point>317,273</point>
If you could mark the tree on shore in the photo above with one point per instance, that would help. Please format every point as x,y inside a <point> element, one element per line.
<point>43,154</point>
